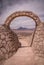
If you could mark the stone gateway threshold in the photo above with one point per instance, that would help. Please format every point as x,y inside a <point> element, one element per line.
<point>11,51</point>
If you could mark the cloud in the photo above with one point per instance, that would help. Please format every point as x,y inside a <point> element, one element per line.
<point>23,22</point>
<point>37,6</point>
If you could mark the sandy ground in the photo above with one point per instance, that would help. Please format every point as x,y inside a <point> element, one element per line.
<point>25,55</point>
<point>26,41</point>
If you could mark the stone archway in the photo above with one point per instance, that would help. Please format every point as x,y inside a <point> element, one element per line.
<point>38,35</point>
<point>24,13</point>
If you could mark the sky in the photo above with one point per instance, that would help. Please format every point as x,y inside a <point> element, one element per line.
<point>7,7</point>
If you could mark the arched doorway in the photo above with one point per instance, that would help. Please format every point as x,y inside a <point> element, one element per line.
<point>24,13</point>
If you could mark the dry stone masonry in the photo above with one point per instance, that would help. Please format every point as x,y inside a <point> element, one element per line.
<point>9,42</point>
<point>38,41</point>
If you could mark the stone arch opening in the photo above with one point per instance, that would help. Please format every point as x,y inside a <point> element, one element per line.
<point>24,28</point>
<point>24,13</point>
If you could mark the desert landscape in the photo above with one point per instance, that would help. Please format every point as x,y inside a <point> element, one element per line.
<point>33,19</point>
<point>24,36</point>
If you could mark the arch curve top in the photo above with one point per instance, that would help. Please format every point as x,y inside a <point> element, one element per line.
<point>22,13</point>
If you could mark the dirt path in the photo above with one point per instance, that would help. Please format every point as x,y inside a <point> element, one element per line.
<point>25,56</point>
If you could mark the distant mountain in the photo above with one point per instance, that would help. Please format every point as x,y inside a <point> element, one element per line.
<point>22,28</point>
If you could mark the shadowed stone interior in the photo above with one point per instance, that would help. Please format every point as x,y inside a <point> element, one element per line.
<point>9,43</point>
